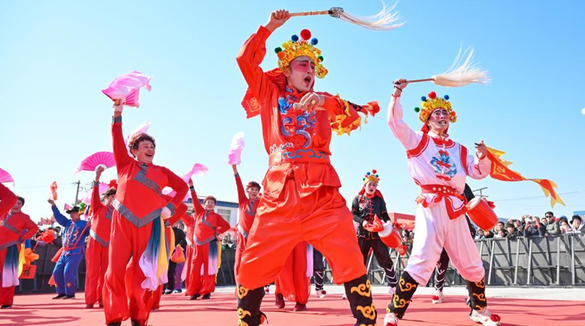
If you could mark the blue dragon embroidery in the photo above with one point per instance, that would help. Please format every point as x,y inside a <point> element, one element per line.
<point>295,124</point>
<point>443,165</point>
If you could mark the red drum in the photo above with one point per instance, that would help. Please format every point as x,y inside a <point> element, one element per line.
<point>393,240</point>
<point>481,213</point>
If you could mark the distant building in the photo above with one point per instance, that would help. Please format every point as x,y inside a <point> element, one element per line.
<point>227,209</point>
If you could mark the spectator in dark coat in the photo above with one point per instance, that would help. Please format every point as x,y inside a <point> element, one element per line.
<point>552,228</point>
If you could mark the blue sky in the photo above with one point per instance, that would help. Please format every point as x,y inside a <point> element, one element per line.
<point>56,56</point>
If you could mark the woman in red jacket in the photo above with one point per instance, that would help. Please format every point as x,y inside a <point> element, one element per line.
<point>137,226</point>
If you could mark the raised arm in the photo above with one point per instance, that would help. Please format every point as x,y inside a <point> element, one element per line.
<point>242,198</point>
<point>96,201</point>
<point>400,129</point>
<point>60,218</point>
<point>252,53</point>
<point>7,199</point>
<point>197,207</point>
<point>120,152</point>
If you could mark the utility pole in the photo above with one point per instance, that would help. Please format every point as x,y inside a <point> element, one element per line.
<point>481,195</point>
<point>76,192</point>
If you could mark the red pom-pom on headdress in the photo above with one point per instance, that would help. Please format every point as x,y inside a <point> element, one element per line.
<point>306,34</point>
<point>432,94</point>
<point>113,184</point>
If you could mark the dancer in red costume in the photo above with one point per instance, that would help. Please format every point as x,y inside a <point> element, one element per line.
<point>14,229</point>
<point>301,200</point>
<point>294,281</point>
<point>137,226</point>
<point>248,200</point>
<point>96,256</point>
<point>203,265</point>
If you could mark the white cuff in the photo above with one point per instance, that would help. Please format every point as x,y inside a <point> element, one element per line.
<point>387,230</point>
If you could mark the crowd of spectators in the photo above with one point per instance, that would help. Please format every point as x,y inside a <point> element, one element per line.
<point>534,226</point>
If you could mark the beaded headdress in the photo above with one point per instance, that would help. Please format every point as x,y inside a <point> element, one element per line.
<point>432,103</point>
<point>371,176</point>
<point>303,46</point>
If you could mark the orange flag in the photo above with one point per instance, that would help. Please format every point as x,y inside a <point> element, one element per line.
<point>54,190</point>
<point>500,171</point>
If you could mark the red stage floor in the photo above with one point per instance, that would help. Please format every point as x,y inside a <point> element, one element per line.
<point>176,309</point>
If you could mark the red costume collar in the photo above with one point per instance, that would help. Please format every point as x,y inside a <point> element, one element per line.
<point>376,194</point>
<point>439,140</point>
<point>251,104</point>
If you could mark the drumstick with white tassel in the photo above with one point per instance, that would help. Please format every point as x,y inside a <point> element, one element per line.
<point>384,20</point>
<point>461,73</point>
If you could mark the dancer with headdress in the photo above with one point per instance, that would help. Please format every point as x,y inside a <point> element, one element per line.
<point>439,166</point>
<point>368,204</point>
<point>301,200</point>
<point>137,226</point>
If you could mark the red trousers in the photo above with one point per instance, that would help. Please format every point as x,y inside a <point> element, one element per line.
<point>200,284</point>
<point>6,294</point>
<point>320,218</point>
<point>156,295</point>
<point>187,268</point>
<point>135,302</point>
<point>96,264</point>
<point>292,282</point>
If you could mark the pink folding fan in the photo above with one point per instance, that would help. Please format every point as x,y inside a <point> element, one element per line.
<point>5,177</point>
<point>127,87</point>
<point>92,162</point>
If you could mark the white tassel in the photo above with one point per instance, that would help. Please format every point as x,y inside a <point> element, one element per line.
<point>462,72</point>
<point>383,21</point>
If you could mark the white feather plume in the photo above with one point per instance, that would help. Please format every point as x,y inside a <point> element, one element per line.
<point>462,72</point>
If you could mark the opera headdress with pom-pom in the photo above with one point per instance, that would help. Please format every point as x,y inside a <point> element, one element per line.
<point>371,176</point>
<point>301,46</point>
<point>431,103</point>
